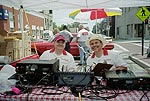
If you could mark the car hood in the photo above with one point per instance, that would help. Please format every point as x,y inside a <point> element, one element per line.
<point>40,43</point>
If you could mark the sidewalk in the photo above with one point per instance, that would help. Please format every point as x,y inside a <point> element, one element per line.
<point>143,61</point>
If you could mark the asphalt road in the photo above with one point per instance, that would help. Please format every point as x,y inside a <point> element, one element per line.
<point>134,48</point>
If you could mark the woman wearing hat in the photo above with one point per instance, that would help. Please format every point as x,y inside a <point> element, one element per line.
<point>96,43</point>
<point>66,60</point>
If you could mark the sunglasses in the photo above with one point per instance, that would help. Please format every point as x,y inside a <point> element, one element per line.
<point>121,71</point>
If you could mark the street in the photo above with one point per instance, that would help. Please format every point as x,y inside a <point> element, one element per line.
<point>133,47</point>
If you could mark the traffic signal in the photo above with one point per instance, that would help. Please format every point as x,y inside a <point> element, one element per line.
<point>146,21</point>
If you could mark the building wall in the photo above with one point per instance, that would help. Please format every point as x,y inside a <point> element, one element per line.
<point>127,23</point>
<point>4,23</point>
<point>33,20</point>
<point>48,21</point>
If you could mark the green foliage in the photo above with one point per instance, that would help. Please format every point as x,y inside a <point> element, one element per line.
<point>94,29</point>
<point>72,25</point>
<point>54,25</point>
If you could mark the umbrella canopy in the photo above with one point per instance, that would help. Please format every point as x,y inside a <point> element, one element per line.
<point>93,14</point>
<point>73,4</point>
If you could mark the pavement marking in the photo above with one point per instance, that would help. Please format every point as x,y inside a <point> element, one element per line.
<point>139,45</point>
<point>129,41</point>
<point>124,49</point>
<point>134,42</point>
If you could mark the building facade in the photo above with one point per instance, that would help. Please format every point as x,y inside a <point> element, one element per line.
<point>11,24</point>
<point>129,26</point>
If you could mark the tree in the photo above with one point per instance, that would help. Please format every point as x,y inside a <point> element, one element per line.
<point>54,25</point>
<point>94,29</point>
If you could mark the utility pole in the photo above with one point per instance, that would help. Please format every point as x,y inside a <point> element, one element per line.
<point>142,38</point>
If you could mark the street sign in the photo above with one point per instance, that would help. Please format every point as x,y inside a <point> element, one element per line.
<point>4,14</point>
<point>143,13</point>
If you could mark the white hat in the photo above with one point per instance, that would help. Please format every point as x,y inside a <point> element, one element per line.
<point>93,37</point>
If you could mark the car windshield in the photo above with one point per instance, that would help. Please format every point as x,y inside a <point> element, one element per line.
<point>51,39</point>
<point>103,35</point>
<point>74,39</point>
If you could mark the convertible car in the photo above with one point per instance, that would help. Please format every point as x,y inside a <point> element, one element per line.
<point>42,45</point>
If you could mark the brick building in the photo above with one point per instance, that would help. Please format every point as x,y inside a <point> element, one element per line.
<point>17,48</point>
<point>11,22</point>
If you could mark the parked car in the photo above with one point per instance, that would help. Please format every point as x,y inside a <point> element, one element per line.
<point>107,38</point>
<point>14,63</point>
<point>41,46</point>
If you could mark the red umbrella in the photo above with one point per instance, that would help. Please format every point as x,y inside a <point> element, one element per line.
<point>95,13</point>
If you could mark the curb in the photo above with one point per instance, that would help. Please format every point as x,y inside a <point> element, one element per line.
<point>139,62</point>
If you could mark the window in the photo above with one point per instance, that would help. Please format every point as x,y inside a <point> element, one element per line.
<point>11,19</point>
<point>128,29</point>
<point>50,12</point>
<point>34,30</point>
<point>129,9</point>
<point>19,27</point>
<point>117,30</point>
<point>140,30</point>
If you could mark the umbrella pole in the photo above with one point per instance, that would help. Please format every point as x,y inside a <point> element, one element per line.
<point>108,27</point>
<point>96,20</point>
<point>96,26</point>
<point>21,25</point>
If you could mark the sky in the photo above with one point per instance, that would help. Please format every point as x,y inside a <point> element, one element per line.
<point>62,17</point>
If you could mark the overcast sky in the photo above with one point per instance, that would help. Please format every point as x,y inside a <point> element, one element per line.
<point>62,17</point>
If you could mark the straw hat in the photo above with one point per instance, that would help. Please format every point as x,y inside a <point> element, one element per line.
<point>93,37</point>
